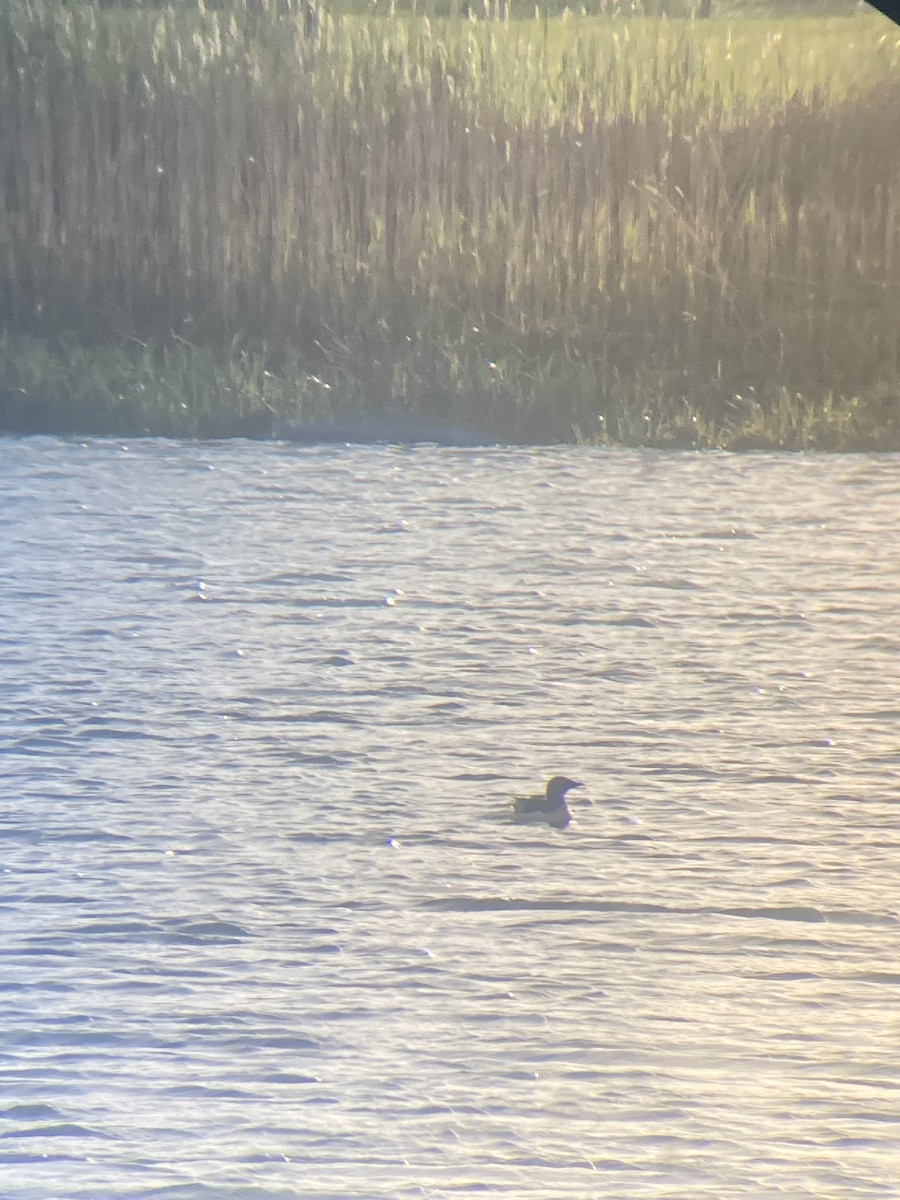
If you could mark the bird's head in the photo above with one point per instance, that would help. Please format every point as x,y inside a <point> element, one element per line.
<point>558,786</point>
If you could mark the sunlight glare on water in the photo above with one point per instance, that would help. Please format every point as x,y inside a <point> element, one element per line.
<point>268,929</point>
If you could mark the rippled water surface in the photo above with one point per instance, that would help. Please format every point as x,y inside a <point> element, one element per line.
<point>268,931</point>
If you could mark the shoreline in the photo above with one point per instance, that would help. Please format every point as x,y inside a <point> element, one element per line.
<point>183,391</point>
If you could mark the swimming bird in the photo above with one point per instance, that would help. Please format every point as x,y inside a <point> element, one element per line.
<point>550,808</point>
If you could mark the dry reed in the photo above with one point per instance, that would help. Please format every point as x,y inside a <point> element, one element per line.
<point>647,231</point>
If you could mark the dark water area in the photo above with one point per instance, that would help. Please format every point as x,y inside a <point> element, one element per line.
<point>22,414</point>
<point>268,931</point>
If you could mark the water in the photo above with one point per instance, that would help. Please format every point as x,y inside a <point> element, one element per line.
<point>267,931</point>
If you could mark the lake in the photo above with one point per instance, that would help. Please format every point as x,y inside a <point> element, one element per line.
<point>268,930</point>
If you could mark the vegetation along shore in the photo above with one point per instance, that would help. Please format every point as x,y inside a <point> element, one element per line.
<point>257,219</point>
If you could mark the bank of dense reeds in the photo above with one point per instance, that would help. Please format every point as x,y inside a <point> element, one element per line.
<point>645,231</point>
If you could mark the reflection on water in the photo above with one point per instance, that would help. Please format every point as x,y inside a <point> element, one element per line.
<point>268,929</point>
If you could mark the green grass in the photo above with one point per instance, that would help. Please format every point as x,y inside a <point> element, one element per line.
<point>642,231</point>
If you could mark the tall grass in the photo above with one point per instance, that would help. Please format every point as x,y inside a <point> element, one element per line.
<point>524,225</point>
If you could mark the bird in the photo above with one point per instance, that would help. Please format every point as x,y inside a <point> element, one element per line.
<point>550,808</point>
